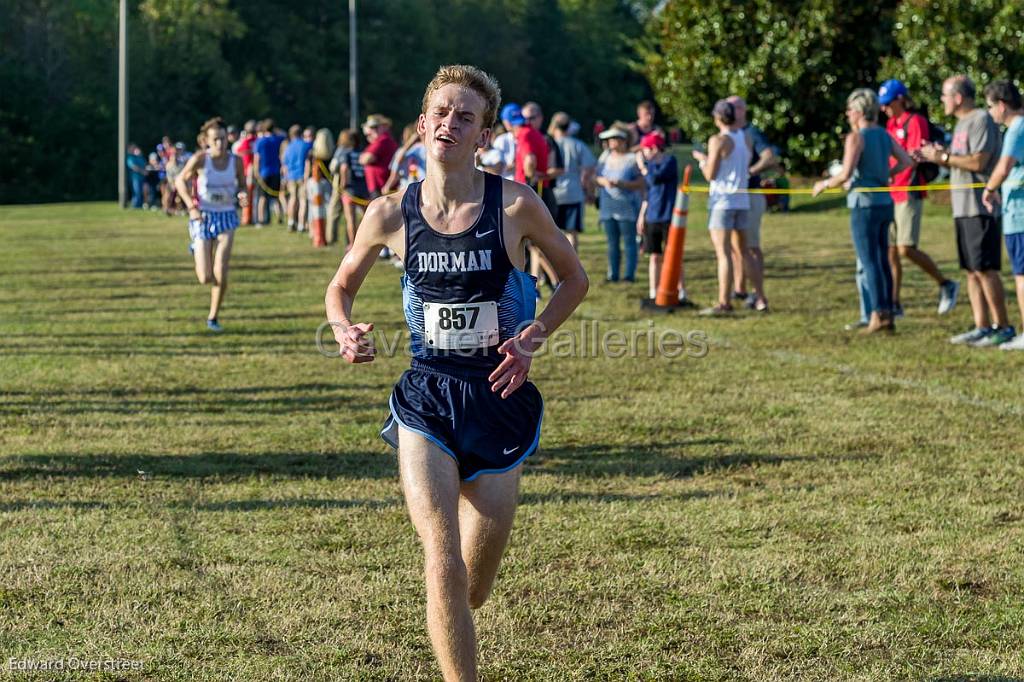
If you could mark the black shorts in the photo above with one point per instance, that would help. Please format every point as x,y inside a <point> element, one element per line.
<point>455,409</point>
<point>979,243</point>
<point>570,217</point>
<point>655,236</point>
<point>272,182</point>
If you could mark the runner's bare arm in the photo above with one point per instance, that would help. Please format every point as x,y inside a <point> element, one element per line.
<point>527,218</point>
<point>381,226</point>
<point>538,227</point>
<point>183,183</point>
<point>243,192</point>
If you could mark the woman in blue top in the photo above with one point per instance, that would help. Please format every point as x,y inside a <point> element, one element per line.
<point>866,164</point>
<point>620,181</point>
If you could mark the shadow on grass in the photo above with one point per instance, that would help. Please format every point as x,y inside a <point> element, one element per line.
<point>310,397</point>
<point>976,678</point>
<point>669,459</point>
<point>231,465</point>
<point>37,505</point>
<point>294,503</point>
<point>576,497</point>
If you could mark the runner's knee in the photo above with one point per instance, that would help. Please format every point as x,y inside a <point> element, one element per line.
<point>478,594</point>
<point>447,566</point>
<point>904,250</point>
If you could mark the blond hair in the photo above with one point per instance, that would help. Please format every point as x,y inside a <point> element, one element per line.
<point>477,80</point>
<point>865,101</point>
<point>323,145</point>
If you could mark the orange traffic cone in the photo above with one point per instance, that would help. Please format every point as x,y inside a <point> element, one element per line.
<point>670,281</point>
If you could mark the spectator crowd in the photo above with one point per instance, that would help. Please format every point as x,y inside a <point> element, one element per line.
<point>313,181</point>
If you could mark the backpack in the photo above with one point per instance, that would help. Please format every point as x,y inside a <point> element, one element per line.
<point>926,171</point>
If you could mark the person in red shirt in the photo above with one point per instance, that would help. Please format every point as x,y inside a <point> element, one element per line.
<point>910,130</point>
<point>532,169</point>
<point>244,148</point>
<point>376,158</point>
<point>531,151</point>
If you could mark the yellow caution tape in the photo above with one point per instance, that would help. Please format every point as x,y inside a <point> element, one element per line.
<point>839,190</point>
<point>259,181</point>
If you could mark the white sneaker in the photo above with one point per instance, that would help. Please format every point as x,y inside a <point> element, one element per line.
<point>970,336</point>
<point>948,293</point>
<point>1017,343</point>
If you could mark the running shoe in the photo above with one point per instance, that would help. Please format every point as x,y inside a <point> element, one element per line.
<point>1015,344</point>
<point>997,337</point>
<point>854,326</point>
<point>948,292</point>
<point>751,302</point>
<point>214,326</point>
<point>897,310</point>
<point>970,336</point>
<point>739,295</point>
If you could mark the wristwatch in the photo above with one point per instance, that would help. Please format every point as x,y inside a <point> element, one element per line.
<point>945,158</point>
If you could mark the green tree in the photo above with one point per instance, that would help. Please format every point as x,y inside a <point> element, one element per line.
<point>794,63</point>
<point>192,59</point>
<point>941,38</point>
<point>179,76</point>
<point>57,99</point>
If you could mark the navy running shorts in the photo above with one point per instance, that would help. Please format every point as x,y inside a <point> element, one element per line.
<point>1015,249</point>
<point>454,408</point>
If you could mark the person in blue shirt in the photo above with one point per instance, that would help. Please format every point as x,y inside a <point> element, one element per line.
<point>661,175</point>
<point>267,161</point>
<point>136,163</point>
<point>294,166</point>
<point>1006,185</point>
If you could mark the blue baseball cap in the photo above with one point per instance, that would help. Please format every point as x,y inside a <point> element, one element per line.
<point>890,90</point>
<point>513,114</point>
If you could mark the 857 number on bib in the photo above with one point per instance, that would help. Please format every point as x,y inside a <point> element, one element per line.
<point>461,326</point>
<point>455,318</point>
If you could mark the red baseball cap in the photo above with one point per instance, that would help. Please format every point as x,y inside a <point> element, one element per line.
<point>653,140</point>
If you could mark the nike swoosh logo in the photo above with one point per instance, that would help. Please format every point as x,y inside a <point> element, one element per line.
<point>484,234</point>
<point>510,451</point>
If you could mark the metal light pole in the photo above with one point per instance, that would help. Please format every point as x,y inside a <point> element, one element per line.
<point>122,103</point>
<point>353,68</point>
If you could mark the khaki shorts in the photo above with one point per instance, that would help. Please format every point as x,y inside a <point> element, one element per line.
<point>906,229</point>
<point>295,187</point>
<point>758,205</point>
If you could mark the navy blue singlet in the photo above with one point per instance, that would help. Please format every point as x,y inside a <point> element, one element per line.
<point>446,396</point>
<point>469,267</point>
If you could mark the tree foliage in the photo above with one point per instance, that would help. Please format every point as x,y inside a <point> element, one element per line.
<point>940,38</point>
<point>794,63</point>
<point>191,59</point>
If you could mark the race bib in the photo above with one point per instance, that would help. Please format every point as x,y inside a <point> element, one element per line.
<point>217,197</point>
<point>460,326</point>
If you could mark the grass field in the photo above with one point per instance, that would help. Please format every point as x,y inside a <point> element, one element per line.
<point>800,504</point>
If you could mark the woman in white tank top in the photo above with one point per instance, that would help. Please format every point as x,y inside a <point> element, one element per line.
<point>725,168</point>
<point>212,214</point>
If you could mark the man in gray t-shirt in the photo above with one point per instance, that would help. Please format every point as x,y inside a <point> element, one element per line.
<point>975,133</point>
<point>971,158</point>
